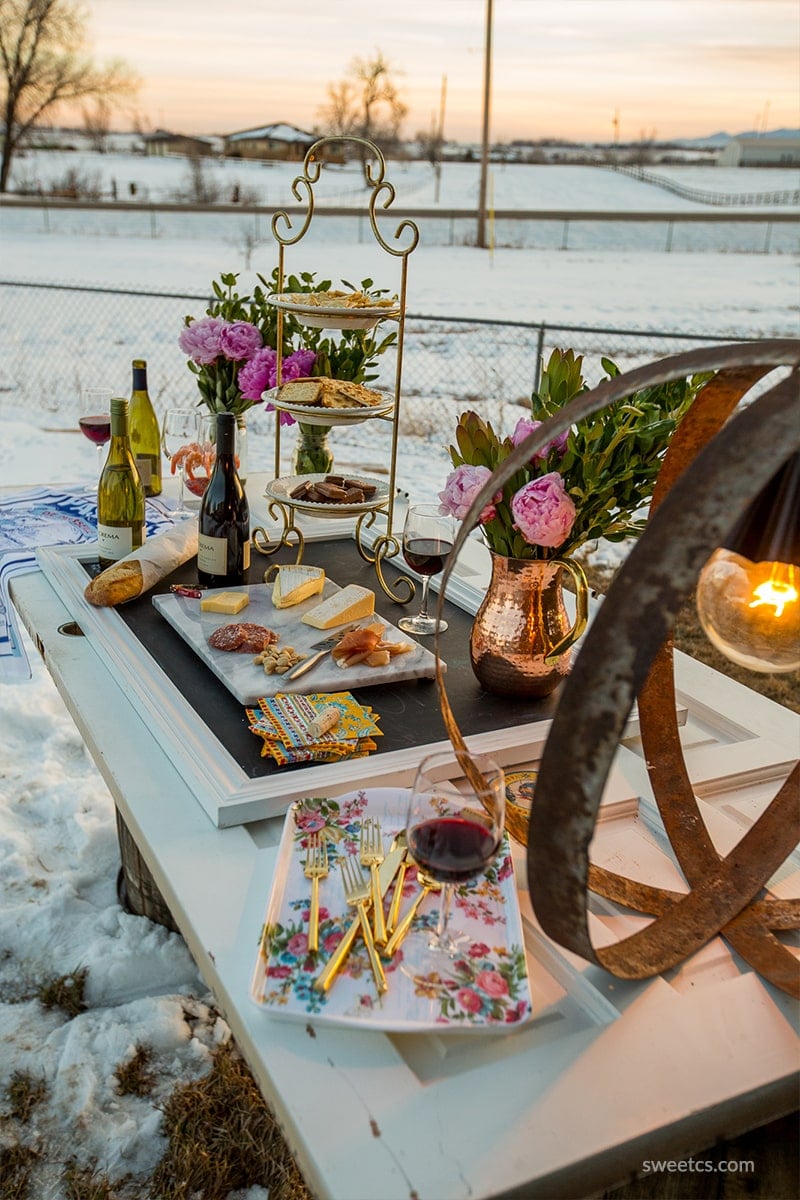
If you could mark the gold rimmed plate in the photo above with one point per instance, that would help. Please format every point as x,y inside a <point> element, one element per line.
<point>333,316</point>
<point>281,489</point>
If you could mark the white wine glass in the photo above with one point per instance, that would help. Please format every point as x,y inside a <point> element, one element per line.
<point>428,537</point>
<point>454,827</point>
<point>179,437</point>
<point>94,420</point>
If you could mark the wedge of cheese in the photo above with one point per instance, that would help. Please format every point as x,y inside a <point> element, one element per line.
<point>295,584</point>
<point>350,604</point>
<point>229,603</point>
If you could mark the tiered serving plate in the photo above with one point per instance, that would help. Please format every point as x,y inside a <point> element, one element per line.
<point>487,990</point>
<point>281,489</point>
<point>332,316</point>
<point>313,414</point>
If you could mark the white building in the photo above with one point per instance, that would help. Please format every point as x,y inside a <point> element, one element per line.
<point>760,152</point>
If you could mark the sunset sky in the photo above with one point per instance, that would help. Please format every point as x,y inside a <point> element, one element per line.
<point>561,68</point>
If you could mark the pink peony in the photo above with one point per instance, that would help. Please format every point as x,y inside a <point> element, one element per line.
<point>257,375</point>
<point>525,427</point>
<point>469,1000</point>
<point>240,340</point>
<point>492,982</point>
<point>200,340</point>
<point>543,512</point>
<point>461,488</point>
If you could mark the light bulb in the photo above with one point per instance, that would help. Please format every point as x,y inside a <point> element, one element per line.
<point>751,611</point>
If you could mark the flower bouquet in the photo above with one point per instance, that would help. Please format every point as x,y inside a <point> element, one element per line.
<point>233,353</point>
<point>593,481</point>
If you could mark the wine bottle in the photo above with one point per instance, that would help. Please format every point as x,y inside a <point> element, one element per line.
<point>120,495</point>
<point>223,544</point>
<point>144,432</point>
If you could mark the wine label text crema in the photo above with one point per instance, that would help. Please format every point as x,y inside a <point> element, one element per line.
<point>212,554</point>
<point>115,541</point>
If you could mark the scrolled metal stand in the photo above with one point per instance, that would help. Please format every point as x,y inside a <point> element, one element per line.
<point>404,241</point>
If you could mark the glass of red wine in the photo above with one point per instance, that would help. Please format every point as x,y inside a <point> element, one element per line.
<point>454,828</point>
<point>95,419</point>
<point>428,536</point>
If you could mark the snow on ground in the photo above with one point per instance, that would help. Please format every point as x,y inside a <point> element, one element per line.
<point>58,906</point>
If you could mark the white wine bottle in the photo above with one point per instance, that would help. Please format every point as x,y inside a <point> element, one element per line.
<point>144,432</point>
<point>120,495</point>
<point>223,543</point>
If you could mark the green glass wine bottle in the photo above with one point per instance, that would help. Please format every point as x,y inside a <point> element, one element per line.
<point>144,431</point>
<point>120,495</point>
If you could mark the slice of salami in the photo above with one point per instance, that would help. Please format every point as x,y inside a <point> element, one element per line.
<point>256,638</point>
<point>228,637</point>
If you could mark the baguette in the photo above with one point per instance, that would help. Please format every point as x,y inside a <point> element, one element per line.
<point>118,583</point>
<point>139,571</point>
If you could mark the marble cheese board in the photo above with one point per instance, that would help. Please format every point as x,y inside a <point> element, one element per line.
<point>247,681</point>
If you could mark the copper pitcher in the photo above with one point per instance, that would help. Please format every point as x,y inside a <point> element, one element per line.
<point>522,634</point>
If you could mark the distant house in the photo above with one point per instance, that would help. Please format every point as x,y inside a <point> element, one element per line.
<point>760,152</point>
<point>163,142</point>
<point>282,142</point>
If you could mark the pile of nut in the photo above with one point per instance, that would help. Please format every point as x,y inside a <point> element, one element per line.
<point>278,661</point>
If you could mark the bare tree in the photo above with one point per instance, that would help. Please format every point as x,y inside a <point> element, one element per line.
<point>97,122</point>
<point>43,64</point>
<point>368,107</point>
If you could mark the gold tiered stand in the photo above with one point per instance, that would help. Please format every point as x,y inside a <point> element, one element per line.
<point>406,238</point>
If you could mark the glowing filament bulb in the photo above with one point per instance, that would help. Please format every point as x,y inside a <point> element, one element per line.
<point>750,611</point>
<point>775,591</point>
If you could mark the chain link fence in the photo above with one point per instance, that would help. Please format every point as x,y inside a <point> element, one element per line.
<point>59,339</point>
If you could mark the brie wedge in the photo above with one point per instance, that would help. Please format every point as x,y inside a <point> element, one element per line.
<point>295,584</point>
<point>350,604</point>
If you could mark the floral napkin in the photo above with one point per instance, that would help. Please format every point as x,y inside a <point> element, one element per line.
<point>282,722</point>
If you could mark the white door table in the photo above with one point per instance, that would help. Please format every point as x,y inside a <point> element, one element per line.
<point>608,1074</point>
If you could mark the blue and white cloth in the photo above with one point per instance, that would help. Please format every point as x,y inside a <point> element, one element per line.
<point>45,517</point>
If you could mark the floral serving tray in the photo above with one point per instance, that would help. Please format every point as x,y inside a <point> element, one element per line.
<point>488,990</point>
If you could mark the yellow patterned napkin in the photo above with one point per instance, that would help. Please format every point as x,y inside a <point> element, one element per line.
<point>282,722</point>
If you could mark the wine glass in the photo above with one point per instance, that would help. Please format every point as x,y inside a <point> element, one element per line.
<point>179,435</point>
<point>94,419</point>
<point>428,536</point>
<point>454,828</point>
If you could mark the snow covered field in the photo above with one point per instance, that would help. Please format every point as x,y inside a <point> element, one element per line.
<point>58,907</point>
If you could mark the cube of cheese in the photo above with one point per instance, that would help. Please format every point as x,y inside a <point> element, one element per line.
<point>295,584</point>
<point>350,604</point>
<point>225,602</point>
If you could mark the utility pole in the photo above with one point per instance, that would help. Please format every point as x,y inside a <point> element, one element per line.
<point>487,93</point>
<point>440,139</point>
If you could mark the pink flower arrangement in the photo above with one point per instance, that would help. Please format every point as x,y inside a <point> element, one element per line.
<point>534,513</point>
<point>231,357</point>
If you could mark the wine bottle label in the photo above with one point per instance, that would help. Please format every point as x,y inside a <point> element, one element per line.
<point>212,554</point>
<point>114,541</point>
<point>144,465</point>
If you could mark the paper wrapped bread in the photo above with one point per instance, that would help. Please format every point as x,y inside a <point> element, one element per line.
<point>142,569</point>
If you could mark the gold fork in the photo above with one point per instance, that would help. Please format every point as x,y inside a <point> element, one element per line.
<point>316,868</point>
<point>371,855</point>
<point>357,890</point>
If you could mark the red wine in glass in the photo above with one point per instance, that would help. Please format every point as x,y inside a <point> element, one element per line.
<point>94,419</point>
<point>428,538</point>
<point>454,829</point>
<point>452,849</point>
<point>97,429</point>
<point>426,556</point>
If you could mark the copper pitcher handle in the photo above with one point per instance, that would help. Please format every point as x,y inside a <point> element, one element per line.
<point>581,607</point>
